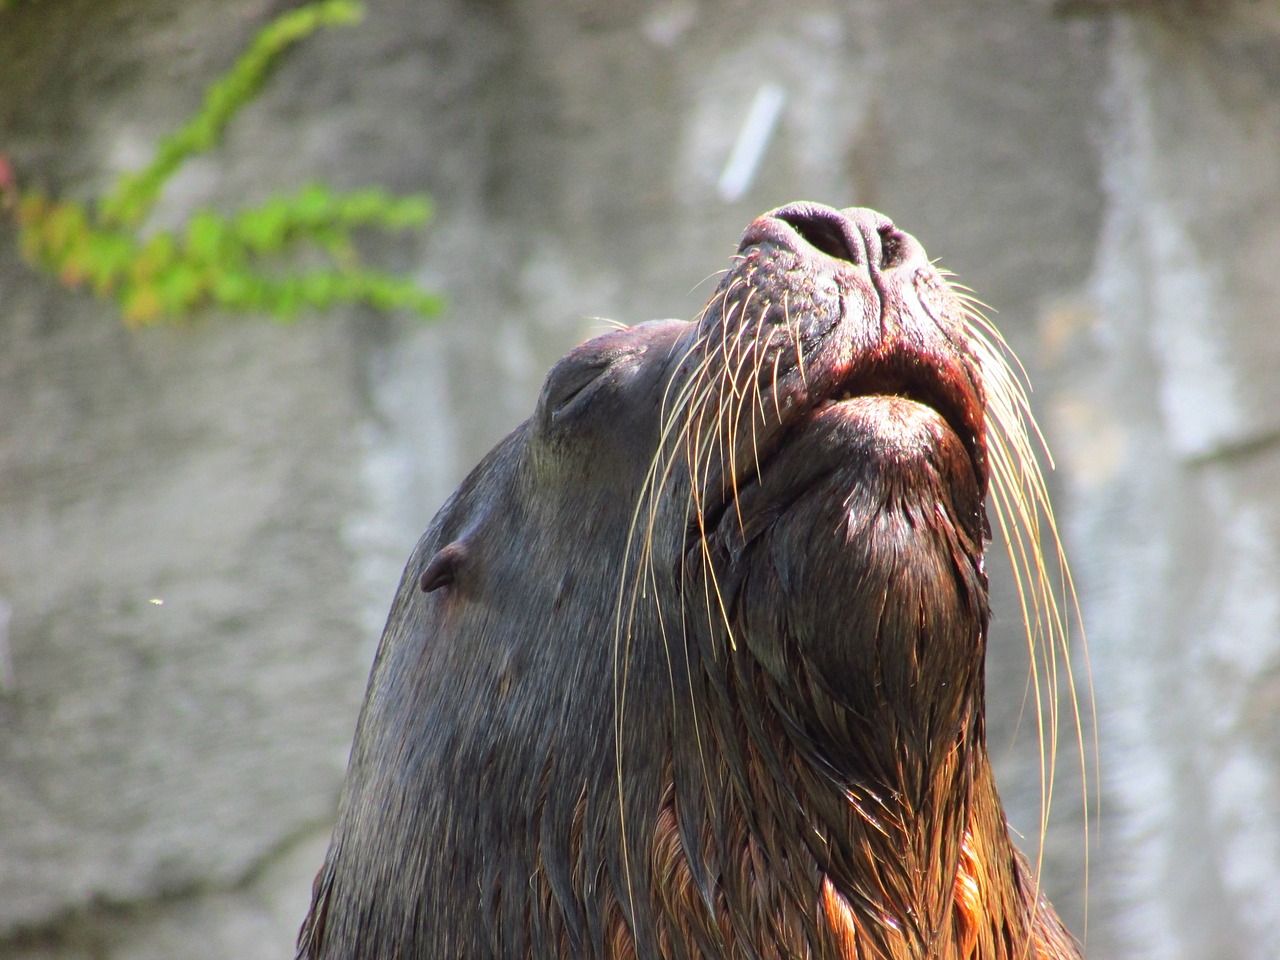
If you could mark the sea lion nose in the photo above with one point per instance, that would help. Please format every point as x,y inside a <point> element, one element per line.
<point>858,235</point>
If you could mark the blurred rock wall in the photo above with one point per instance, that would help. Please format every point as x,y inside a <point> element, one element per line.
<point>201,527</point>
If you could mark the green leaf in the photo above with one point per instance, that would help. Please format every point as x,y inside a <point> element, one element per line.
<point>206,237</point>
<point>179,288</point>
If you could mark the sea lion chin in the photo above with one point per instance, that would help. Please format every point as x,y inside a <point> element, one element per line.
<point>691,665</point>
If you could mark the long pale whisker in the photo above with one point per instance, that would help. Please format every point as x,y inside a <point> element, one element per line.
<point>1027,527</point>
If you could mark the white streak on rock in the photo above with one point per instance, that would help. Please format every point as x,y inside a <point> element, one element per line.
<point>753,139</point>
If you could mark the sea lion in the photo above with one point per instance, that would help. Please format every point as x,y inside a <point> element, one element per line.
<point>691,665</point>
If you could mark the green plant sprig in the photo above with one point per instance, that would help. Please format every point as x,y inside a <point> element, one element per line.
<point>135,194</point>
<point>229,261</point>
<point>220,261</point>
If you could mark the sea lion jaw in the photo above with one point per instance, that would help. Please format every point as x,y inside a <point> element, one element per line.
<point>839,469</point>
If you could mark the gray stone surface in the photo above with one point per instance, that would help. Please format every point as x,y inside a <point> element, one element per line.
<point>1108,181</point>
<point>1169,409</point>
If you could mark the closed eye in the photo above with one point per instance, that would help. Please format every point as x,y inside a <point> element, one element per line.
<point>574,384</point>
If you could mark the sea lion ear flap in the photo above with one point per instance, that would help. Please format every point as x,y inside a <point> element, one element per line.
<point>443,568</point>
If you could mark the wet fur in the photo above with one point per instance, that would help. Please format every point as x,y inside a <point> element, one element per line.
<point>691,665</point>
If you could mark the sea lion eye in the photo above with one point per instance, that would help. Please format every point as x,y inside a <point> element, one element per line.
<point>573,381</point>
<point>442,570</point>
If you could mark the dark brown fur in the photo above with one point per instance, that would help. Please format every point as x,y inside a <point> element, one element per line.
<point>691,665</point>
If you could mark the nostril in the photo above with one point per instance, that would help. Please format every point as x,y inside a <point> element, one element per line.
<point>891,252</point>
<point>824,230</point>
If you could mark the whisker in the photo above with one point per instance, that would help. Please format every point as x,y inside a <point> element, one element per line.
<point>1030,533</point>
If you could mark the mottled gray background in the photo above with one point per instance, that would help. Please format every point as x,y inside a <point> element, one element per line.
<point>1107,176</point>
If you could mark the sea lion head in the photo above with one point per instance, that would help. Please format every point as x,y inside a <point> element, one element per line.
<point>691,663</point>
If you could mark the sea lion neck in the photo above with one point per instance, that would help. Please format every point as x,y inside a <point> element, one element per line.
<point>844,665</point>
